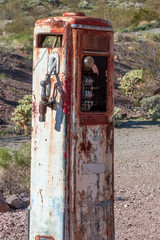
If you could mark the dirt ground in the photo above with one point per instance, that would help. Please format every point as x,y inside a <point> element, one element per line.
<point>137,186</point>
<point>137,181</point>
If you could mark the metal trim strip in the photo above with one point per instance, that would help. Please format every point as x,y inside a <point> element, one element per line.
<point>108,29</point>
<point>96,52</point>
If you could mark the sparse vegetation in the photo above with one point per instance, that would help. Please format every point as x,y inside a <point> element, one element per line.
<point>117,117</point>
<point>23,113</point>
<point>144,15</point>
<point>16,169</point>
<point>5,157</point>
<point>140,27</point>
<point>22,156</point>
<point>130,84</point>
<point>151,107</point>
<point>155,37</point>
<point>18,41</point>
<point>144,55</point>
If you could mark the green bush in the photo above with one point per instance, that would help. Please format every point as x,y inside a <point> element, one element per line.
<point>144,14</point>
<point>151,107</point>
<point>22,156</point>
<point>5,157</point>
<point>155,37</point>
<point>23,113</point>
<point>130,82</point>
<point>144,25</point>
<point>117,117</point>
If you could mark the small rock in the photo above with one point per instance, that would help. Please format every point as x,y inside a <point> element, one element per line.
<point>24,195</point>
<point>3,205</point>
<point>25,200</point>
<point>15,202</point>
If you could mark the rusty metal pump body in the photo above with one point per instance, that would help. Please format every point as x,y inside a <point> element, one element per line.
<point>72,138</point>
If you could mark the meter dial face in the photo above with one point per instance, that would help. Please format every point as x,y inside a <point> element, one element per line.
<point>94,84</point>
<point>88,63</point>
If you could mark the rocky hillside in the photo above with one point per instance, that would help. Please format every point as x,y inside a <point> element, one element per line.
<point>132,50</point>
<point>15,82</point>
<point>16,75</point>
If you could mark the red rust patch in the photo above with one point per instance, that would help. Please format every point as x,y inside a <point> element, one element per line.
<point>85,146</point>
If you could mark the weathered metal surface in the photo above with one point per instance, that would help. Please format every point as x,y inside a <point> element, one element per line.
<point>44,238</point>
<point>72,151</point>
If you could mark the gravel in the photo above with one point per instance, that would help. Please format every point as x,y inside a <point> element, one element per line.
<point>13,225</point>
<point>137,187</point>
<point>137,181</point>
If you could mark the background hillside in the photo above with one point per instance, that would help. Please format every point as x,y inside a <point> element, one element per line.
<point>135,47</point>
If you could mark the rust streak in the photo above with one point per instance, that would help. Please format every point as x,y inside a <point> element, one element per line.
<point>40,191</point>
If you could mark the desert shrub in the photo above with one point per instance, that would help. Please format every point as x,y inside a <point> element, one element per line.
<point>23,113</point>
<point>22,156</point>
<point>143,23</point>
<point>146,56</point>
<point>123,29</point>
<point>151,107</point>
<point>129,37</point>
<point>154,23</point>
<point>147,35</point>
<point>117,117</point>
<point>129,83</point>
<point>132,28</point>
<point>5,157</point>
<point>118,37</point>
<point>84,5</point>
<point>137,84</point>
<point>155,37</point>
<point>144,15</point>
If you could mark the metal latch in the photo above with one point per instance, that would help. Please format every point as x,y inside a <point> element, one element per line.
<point>46,101</point>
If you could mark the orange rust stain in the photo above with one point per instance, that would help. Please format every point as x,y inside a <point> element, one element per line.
<point>81,197</point>
<point>34,107</point>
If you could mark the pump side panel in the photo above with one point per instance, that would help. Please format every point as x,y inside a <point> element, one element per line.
<point>92,163</point>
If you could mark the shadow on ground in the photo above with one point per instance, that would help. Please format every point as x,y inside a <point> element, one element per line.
<point>138,124</point>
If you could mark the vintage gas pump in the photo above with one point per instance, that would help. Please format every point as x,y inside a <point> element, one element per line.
<point>72,138</point>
